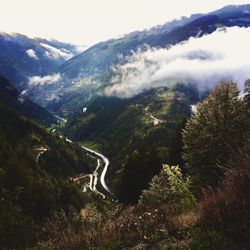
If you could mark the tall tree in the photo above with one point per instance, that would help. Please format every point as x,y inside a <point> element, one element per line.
<point>213,135</point>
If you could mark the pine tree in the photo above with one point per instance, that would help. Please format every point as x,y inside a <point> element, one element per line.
<point>169,187</point>
<point>215,133</point>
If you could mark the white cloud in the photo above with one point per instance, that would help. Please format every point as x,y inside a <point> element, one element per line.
<point>207,60</point>
<point>31,53</point>
<point>57,54</point>
<point>41,80</point>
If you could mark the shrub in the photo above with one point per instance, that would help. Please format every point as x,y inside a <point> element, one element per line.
<point>206,241</point>
<point>170,186</point>
<point>227,208</point>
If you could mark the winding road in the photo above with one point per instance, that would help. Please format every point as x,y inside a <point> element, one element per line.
<point>156,121</point>
<point>93,178</point>
<point>40,150</point>
<point>105,168</point>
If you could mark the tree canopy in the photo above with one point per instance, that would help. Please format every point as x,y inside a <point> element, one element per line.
<point>218,129</point>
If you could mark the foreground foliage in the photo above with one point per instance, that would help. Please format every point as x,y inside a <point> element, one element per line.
<point>168,187</point>
<point>169,223</point>
<point>218,130</point>
<point>226,208</point>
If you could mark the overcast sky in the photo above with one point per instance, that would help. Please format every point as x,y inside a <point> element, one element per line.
<point>90,21</point>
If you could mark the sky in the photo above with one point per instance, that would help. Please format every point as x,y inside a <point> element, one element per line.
<point>86,22</point>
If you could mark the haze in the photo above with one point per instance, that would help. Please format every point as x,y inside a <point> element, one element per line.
<point>90,21</point>
<point>204,61</point>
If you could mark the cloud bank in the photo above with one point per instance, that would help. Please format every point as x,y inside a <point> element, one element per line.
<point>41,80</point>
<point>204,61</point>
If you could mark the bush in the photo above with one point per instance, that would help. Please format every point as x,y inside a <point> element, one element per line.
<point>206,241</point>
<point>123,227</point>
<point>17,230</point>
<point>170,186</point>
<point>227,207</point>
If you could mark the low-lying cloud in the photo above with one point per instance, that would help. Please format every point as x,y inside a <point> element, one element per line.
<point>57,54</point>
<point>41,80</point>
<point>204,61</point>
<point>31,53</point>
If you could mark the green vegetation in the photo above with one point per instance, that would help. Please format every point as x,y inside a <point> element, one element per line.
<point>218,130</point>
<point>225,210</point>
<point>32,188</point>
<point>117,227</point>
<point>168,187</point>
<point>182,182</point>
<point>14,99</point>
<point>126,133</point>
<point>167,215</point>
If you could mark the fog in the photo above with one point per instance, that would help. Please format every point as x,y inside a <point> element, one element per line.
<point>41,80</point>
<point>204,61</point>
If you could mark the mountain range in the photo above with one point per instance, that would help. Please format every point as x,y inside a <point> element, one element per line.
<point>91,71</point>
<point>56,115</point>
<point>56,76</point>
<point>23,57</point>
<point>72,84</point>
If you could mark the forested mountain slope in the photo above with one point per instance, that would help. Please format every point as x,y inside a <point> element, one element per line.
<point>14,99</point>
<point>35,166</point>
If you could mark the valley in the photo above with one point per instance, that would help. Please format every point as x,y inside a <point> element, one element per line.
<point>138,142</point>
<point>118,127</point>
<point>94,175</point>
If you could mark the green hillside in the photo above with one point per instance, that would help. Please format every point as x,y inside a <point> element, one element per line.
<point>14,99</point>
<point>202,204</point>
<point>137,134</point>
<point>32,186</point>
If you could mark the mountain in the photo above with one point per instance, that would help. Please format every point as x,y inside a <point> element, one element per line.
<point>232,10</point>
<point>22,57</point>
<point>55,76</point>
<point>102,55</point>
<point>88,73</point>
<point>172,213</point>
<point>226,17</point>
<point>35,166</point>
<point>138,135</point>
<point>10,96</point>
<point>143,137</point>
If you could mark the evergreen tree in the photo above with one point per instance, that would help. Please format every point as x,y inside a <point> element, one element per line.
<point>169,187</point>
<point>213,135</point>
